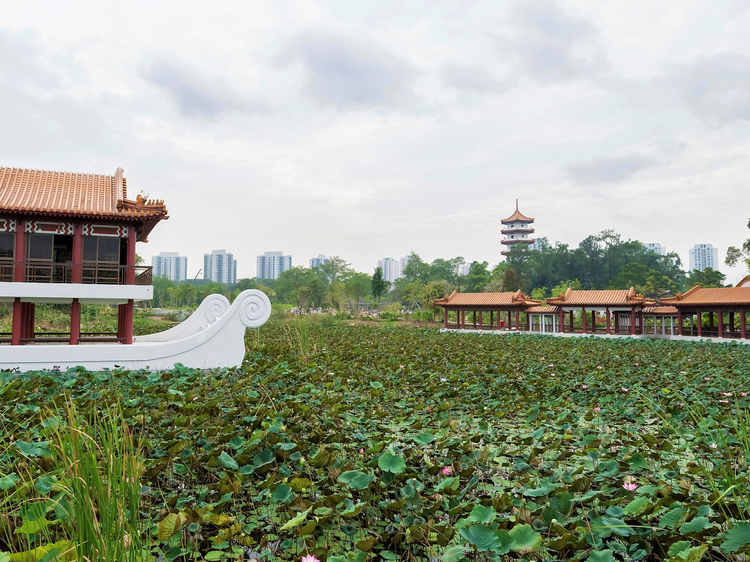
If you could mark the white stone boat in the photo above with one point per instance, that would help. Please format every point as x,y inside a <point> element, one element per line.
<point>212,337</point>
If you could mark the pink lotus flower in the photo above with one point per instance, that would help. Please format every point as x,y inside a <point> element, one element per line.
<point>585,386</point>
<point>636,364</point>
<point>361,450</point>
<point>689,359</point>
<point>443,379</point>
<point>714,446</point>
<point>597,409</point>
<point>552,374</point>
<point>630,487</point>
<point>446,470</point>
<point>724,401</point>
<point>309,558</point>
<point>624,389</point>
<point>551,365</point>
<point>744,394</point>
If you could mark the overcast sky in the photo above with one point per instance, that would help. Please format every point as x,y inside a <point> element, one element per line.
<point>368,130</point>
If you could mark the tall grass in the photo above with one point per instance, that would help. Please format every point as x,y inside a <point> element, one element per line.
<point>95,485</point>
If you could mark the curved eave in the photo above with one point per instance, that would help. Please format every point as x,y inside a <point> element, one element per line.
<point>513,230</point>
<point>521,240</point>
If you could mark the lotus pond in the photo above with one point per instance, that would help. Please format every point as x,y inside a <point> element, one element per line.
<point>374,443</point>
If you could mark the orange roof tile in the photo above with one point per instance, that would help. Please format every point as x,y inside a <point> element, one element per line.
<point>698,296</point>
<point>542,310</point>
<point>41,192</point>
<point>660,310</point>
<point>613,297</point>
<point>485,299</point>
<point>517,216</point>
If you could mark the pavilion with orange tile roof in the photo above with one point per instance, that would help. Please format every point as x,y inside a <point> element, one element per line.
<point>493,303</point>
<point>722,305</point>
<point>625,306</point>
<point>62,230</point>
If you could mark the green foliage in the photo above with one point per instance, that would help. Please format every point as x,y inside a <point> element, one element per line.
<point>708,278</point>
<point>361,442</point>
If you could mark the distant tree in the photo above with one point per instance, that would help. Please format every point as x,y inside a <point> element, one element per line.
<point>139,260</point>
<point>562,287</point>
<point>479,277</point>
<point>379,285</point>
<point>416,269</point>
<point>512,282</point>
<point>657,286</point>
<point>708,278</point>
<point>736,255</point>
<point>336,269</point>
<point>357,286</point>
<point>539,294</point>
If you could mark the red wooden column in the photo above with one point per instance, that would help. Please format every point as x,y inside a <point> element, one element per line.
<point>518,319</point>
<point>77,275</point>
<point>75,321</point>
<point>730,328</point>
<point>130,276</point>
<point>583,320</point>
<point>609,326</point>
<point>720,323</point>
<point>632,321</point>
<point>28,317</point>
<point>125,322</point>
<point>617,322</point>
<point>679,322</point>
<point>463,319</point>
<point>593,321</point>
<point>474,320</point>
<point>711,321</point>
<point>498,320</point>
<point>492,321</point>
<point>19,253</point>
<point>562,321</point>
<point>743,327</point>
<point>640,321</point>
<point>699,323</point>
<point>481,314</point>
<point>445,323</point>
<point>15,338</point>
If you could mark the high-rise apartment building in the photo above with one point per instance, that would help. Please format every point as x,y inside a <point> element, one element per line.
<point>170,265</point>
<point>656,248</point>
<point>703,256</point>
<point>391,269</point>
<point>271,264</point>
<point>317,262</point>
<point>220,266</point>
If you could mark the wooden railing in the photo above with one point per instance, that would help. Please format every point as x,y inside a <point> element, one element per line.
<point>91,273</point>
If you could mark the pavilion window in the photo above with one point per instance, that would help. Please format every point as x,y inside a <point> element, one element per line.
<point>40,247</point>
<point>7,244</point>
<point>100,249</point>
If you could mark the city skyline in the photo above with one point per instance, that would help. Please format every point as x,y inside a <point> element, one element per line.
<point>381,129</point>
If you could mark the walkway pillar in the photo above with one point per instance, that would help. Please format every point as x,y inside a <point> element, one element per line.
<point>720,323</point>
<point>562,321</point>
<point>518,319</point>
<point>492,318</point>
<point>445,322</point>
<point>28,317</point>
<point>632,321</point>
<point>699,322</point>
<point>463,319</point>
<point>609,327</point>
<point>75,321</point>
<point>481,314</point>
<point>679,322</point>
<point>497,320</point>
<point>640,322</point>
<point>730,328</point>
<point>474,319</point>
<point>743,328</point>
<point>583,319</point>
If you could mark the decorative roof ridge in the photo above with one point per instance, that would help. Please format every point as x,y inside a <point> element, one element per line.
<point>744,282</point>
<point>516,216</point>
